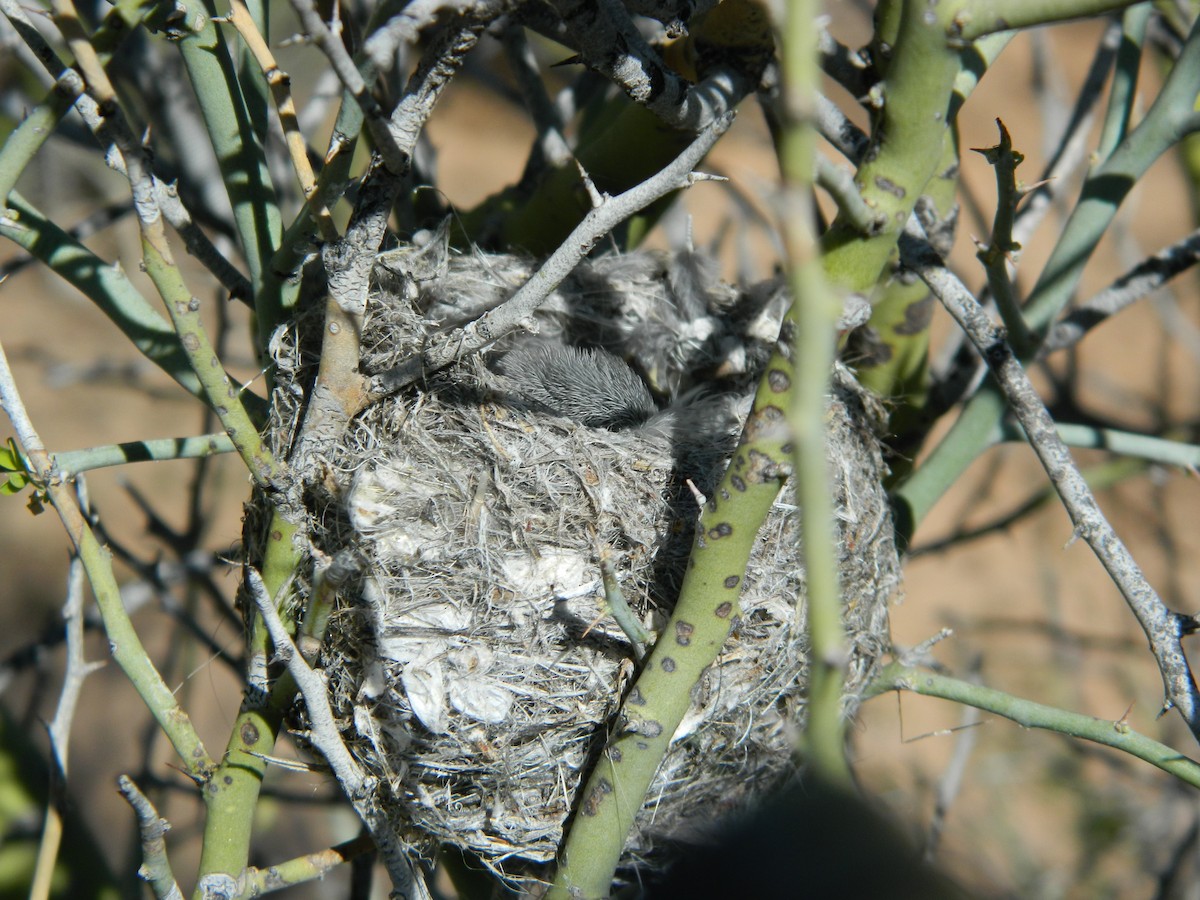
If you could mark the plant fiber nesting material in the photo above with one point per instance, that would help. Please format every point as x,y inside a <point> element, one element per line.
<point>475,661</point>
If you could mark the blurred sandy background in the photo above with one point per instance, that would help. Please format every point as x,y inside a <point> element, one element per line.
<point>1032,612</point>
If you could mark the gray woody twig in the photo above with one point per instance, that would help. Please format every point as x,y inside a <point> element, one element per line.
<point>1140,281</point>
<point>1163,627</point>
<point>609,42</point>
<point>155,868</point>
<point>551,147</point>
<point>515,312</point>
<point>395,135</point>
<point>333,48</point>
<point>405,26</point>
<point>359,786</point>
<point>76,670</point>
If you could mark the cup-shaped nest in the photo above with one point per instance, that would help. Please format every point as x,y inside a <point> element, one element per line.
<point>476,662</point>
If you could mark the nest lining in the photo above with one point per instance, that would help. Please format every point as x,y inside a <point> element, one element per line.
<point>475,659</point>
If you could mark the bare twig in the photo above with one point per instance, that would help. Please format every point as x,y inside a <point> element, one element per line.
<point>845,66</point>
<point>331,45</point>
<point>515,312</point>
<point>1140,281</point>
<point>395,135</point>
<point>112,131</point>
<point>1163,628</point>
<point>405,26</point>
<point>76,670</point>
<point>70,84</point>
<point>339,391</point>
<point>844,135</point>
<point>156,867</point>
<point>359,786</point>
<point>552,148</point>
<point>609,42</point>
<point>674,14</point>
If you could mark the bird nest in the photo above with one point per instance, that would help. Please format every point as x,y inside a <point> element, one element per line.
<point>475,661</point>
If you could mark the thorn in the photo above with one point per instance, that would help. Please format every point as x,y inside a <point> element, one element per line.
<point>596,197</point>
<point>1025,190</point>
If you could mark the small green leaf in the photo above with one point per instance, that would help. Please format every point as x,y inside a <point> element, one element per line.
<point>9,458</point>
<point>12,459</point>
<point>14,484</point>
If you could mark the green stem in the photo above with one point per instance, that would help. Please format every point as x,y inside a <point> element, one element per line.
<point>618,606</point>
<point>1124,443</point>
<point>969,20</point>
<point>976,429</point>
<point>1170,118</point>
<point>815,312</point>
<point>1123,96</point>
<point>1028,714</point>
<point>28,137</point>
<point>124,643</point>
<point>232,797</point>
<point>105,285</point>
<point>70,463</point>
<point>240,157</point>
<point>302,869</point>
<point>37,127</point>
<point>223,396</point>
<point>907,146</point>
<point>691,641</point>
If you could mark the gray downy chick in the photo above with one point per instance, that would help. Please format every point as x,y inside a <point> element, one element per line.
<point>589,386</point>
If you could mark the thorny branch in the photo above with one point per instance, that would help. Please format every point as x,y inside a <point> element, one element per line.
<point>439,63</point>
<point>339,389</point>
<point>406,26</point>
<point>955,371</point>
<point>1163,628</point>
<point>609,42</point>
<point>339,392</point>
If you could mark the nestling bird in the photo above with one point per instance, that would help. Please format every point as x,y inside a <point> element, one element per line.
<point>589,386</point>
